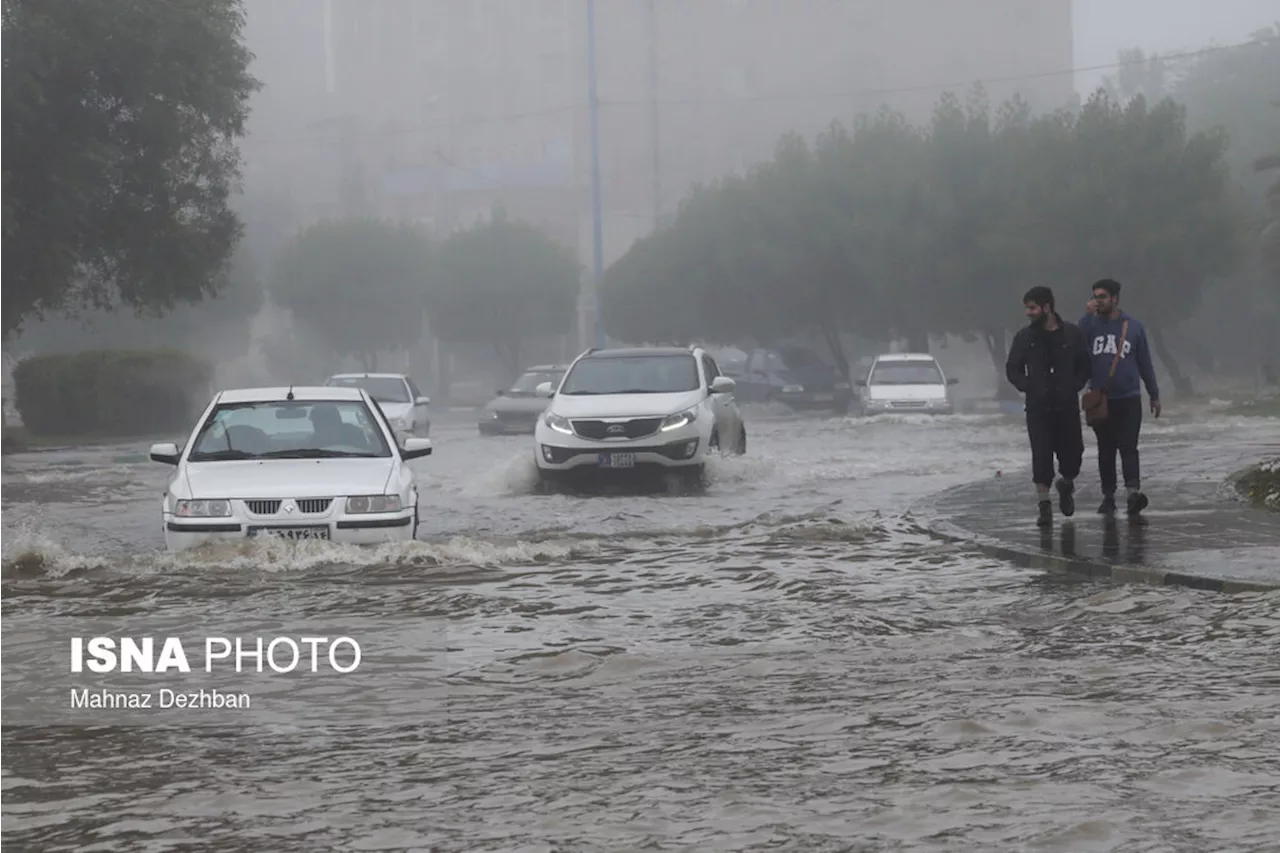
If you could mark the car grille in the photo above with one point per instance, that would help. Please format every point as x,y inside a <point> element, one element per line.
<point>910,404</point>
<point>635,428</point>
<point>310,506</point>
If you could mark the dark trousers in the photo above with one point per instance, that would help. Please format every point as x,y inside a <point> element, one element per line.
<point>1055,432</point>
<point>1119,432</point>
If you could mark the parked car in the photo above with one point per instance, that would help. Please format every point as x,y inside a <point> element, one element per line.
<point>296,463</point>
<point>516,409</point>
<point>793,375</point>
<point>906,382</point>
<point>404,405</point>
<point>660,410</point>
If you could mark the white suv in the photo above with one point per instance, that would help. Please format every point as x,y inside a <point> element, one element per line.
<point>649,409</point>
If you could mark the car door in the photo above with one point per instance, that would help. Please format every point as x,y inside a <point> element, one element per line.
<point>724,406</point>
<point>420,417</point>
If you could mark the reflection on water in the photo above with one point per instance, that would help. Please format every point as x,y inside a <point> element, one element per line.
<point>782,663</point>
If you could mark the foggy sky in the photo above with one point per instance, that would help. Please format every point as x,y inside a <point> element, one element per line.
<point>1104,27</point>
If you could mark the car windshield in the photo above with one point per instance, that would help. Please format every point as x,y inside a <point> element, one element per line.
<point>649,374</point>
<point>282,429</point>
<point>529,382</point>
<point>384,389</point>
<point>906,373</point>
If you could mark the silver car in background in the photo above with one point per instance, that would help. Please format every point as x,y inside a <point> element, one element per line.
<point>516,409</point>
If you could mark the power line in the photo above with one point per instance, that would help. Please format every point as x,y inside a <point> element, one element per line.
<point>925,87</point>
<point>433,127</point>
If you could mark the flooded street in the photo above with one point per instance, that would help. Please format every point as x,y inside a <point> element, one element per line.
<point>783,663</point>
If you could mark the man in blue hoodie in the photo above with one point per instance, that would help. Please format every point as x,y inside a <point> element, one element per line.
<point>1109,333</point>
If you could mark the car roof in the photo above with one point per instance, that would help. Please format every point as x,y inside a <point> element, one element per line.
<point>543,368</point>
<point>905,356</point>
<point>636,352</point>
<point>368,376</point>
<point>301,393</point>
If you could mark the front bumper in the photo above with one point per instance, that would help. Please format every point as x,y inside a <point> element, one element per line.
<point>680,448</point>
<point>907,407</point>
<point>363,529</point>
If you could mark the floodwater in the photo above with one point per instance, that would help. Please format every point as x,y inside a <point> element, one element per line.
<point>786,662</point>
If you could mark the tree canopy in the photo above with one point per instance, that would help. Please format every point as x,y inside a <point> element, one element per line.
<point>120,125</point>
<point>502,281</point>
<point>919,231</point>
<point>216,327</point>
<point>357,284</point>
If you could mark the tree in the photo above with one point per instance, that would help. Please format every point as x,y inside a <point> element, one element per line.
<point>502,282</point>
<point>119,124</point>
<point>217,327</point>
<point>357,284</point>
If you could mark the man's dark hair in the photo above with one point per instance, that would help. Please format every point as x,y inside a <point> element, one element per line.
<point>1110,285</point>
<point>1040,296</point>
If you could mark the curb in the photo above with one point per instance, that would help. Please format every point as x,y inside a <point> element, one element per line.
<point>1081,567</point>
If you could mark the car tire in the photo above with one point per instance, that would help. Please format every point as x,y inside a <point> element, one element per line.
<point>742,442</point>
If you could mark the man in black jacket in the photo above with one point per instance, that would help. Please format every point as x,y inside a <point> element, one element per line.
<point>1049,363</point>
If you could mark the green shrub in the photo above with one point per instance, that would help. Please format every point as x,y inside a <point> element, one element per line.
<point>111,392</point>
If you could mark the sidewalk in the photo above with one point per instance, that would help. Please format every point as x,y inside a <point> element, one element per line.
<point>1194,533</point>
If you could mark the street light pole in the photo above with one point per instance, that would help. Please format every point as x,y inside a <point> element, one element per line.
<point>596,223</point>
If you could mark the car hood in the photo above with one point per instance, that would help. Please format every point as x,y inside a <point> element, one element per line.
<point>906,392</point>
<point>624,405</point>
<point>533,405</point>
<point>396,410</point>
<point>288,478</point>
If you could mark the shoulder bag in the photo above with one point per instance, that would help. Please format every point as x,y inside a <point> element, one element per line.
<point>1094,401</point>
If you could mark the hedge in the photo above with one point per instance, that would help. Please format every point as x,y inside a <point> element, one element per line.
<point>111,392</point>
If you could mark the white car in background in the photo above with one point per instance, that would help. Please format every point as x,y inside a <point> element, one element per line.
<point>296,463</point>
<point>659,410</point>
<point>404,405</point>
<point>906,382</point>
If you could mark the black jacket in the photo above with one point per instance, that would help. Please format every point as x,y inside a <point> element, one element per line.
<point>1051,369</point>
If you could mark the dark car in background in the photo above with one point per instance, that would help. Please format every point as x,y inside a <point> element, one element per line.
<point>794,375</point>
<point>516,409</point>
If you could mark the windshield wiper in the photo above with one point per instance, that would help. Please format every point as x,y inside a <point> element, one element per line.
<point>221,456</point>
<point>317,453</point>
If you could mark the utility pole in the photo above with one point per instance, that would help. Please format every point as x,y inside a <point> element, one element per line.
<point>596,222</point>
<point>652,9</point>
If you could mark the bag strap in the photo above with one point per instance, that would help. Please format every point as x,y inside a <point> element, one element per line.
<point>1115,362</point>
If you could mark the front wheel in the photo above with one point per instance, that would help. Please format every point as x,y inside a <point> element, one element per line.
<point>742,442</point>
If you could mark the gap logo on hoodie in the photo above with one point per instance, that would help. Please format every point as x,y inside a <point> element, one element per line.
<point>1135,368</point>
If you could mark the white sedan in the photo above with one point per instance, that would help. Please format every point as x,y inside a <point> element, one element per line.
<point>297,463</point>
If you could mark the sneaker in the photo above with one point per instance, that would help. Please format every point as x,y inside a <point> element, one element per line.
<point>1046,514</point>
<point>1137,503</point>
<point>1067,498</point>
<point>1108,505</point>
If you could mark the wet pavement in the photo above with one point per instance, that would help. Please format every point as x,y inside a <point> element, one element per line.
<point>1196,529</point>
<point>788,662</point>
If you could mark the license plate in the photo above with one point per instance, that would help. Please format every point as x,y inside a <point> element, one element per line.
<point>617,460</point>
<point>824,398</point>
<point>294,533</point>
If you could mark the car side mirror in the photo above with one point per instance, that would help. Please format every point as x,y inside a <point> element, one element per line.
<point>544,389</point>
<point>166,452</point>
<point>952,381</point>
<point>415,448</point>
<point>860,383</point>
<point>722,385</point>
<point>422,401</point>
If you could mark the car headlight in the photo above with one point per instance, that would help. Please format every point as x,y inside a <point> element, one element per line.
<point>679,419</point>
<point>373,503</point>
<point>493,416</point>
<point>559,423</point>
<point>792,389</point>
<point>202,509</point>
